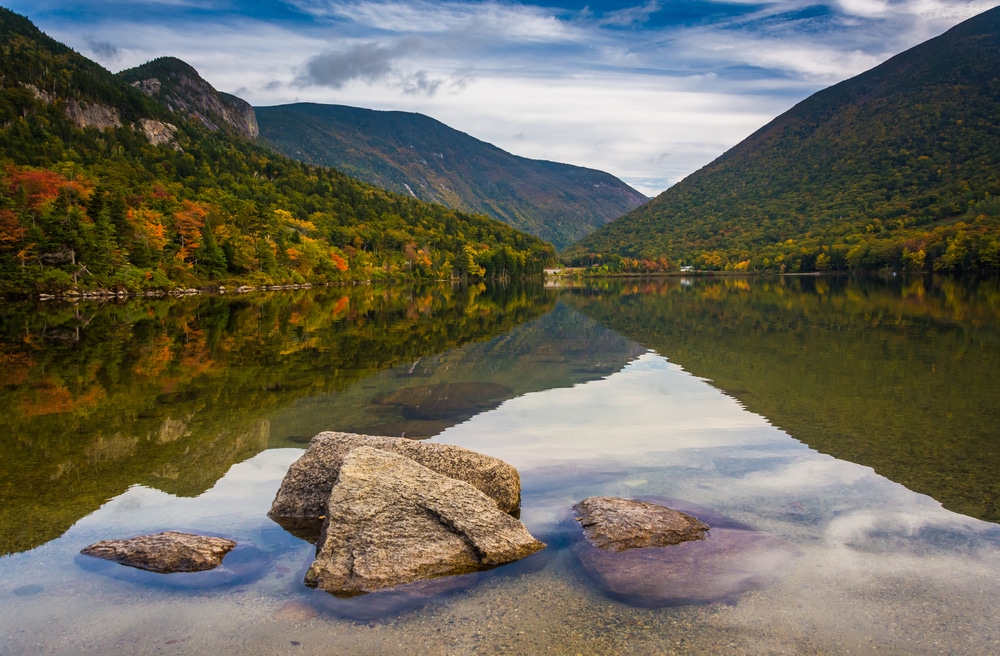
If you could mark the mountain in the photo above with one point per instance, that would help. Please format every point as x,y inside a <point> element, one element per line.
<point>417,155</point>
<point>178,86</point>
<point>104,186</point>
<point>897,167</point>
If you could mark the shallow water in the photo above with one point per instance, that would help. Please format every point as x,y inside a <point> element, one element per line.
<point>882,569</point>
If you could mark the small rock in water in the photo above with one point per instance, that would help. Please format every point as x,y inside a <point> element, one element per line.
<point>620,524</point>
<point>28,590</point>
<point>164,552</point>
<point>719,566</point>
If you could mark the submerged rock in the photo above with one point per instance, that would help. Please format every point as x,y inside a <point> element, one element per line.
<point>296,611</point>
<point>392,521</point>
<point>305,490</point>
<point>620,524</point>
<point>164,552</point>
<point>729,560</point>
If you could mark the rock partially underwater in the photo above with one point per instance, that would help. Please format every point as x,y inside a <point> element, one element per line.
<point>244,564</point>
<point>619,524</point>
<point>727,561</point>
<point>392,521</point>
<point>165,552</point>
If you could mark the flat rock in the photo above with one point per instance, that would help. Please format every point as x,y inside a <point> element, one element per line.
<point>392,521</point>
<point>731,559</point>
<point>244,564</point>
<point>620,524</point>
<point>164,552</point>
<point>305,490</point>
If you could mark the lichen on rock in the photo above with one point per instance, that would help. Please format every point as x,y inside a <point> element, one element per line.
<point>620,524</point>
<point>392,521</point>
<point>165,552</point>
<point>305,490</point>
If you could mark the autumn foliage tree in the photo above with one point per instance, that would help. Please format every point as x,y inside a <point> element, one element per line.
<point>104,208</point>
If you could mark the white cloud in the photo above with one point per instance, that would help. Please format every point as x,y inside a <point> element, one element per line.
<point>943,10</point>
<point>513,22</point>
<point>630,15</point>
<point>604,91</point>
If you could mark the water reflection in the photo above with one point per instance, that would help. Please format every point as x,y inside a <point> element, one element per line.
<point>169,394</point>
<point>422,398</point>
<point>875,560</point>
<point>899,375</point>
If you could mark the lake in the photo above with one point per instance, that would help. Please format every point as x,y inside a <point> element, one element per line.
<point>854,420</point>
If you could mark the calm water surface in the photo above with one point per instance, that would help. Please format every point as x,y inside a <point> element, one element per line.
<point>854,419</point>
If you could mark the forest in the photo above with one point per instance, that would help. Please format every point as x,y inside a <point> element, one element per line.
<point>91,204</point>
<point>895,169</point>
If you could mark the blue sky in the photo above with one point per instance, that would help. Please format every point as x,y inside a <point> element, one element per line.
<point>648,91</point>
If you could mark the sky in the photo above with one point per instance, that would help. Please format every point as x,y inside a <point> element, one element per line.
<point>647,91</point>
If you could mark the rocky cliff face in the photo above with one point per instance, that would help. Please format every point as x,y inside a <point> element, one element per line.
<point>180,88</point>
<point>240,114</point>
<point>84,115</point>
<point>157,132</point>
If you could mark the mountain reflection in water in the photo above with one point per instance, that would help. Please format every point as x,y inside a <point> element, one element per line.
<point>901,375</point>
<point>170,394</point>
<point>125,419</point>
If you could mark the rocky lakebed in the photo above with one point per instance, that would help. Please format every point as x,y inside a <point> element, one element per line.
<point>404,519</point>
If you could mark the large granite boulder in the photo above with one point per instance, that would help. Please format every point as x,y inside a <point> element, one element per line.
<point>392,521</point>
<point>306,487</point>
<point>729,560</point>
<point>619,524</point>
<point>164,552</point>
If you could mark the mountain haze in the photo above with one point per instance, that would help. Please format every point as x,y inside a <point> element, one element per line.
<point>414,154</point>
<point>898,167</point>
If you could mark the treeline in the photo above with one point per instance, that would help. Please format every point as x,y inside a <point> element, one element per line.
<point>104,208</point>
<point>967,244</point>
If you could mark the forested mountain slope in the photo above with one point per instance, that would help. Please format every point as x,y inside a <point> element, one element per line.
<point>414,154</point>
<point>103,186</point>
<point>898,167</point>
